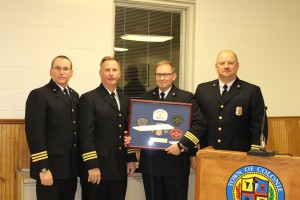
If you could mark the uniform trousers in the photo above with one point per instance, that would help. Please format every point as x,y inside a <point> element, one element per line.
<point>61,189</point>
<point>166,187</point>
<point>107,189</point>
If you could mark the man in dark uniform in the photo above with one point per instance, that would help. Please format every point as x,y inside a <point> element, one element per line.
<point>166,173</point>
<point>234,109</point>
<point>50,126</point>
<point>103,119</point>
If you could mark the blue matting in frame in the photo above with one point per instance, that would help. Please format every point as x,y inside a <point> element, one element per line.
<point>158,124</point>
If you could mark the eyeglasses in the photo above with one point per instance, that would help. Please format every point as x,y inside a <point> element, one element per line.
<point>108,70</point>
<point>65,69</point>
<point>164,75</point>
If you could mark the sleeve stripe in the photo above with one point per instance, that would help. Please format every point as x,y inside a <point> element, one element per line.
<point>88,153</point>
<point>89,158</point>
<point>130,150</point>
<point>41,158</point>
<point>40,153</point>
<point>192,137</point>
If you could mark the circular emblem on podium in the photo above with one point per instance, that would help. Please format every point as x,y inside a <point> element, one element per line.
<point>254,182</point>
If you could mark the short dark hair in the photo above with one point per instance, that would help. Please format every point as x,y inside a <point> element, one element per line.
<point>63,57</point>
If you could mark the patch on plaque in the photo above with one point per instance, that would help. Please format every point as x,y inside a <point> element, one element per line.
<point>142,121</point>
<point>160,115</point>
<point>176,133</point>
<point>177,120</point>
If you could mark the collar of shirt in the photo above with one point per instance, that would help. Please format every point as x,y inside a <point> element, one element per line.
<point>166,92</point>
<point>62,89</point>
<point>222,84</point>
<point>116,96</point>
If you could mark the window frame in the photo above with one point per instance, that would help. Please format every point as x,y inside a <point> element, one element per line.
<point>187,47</point>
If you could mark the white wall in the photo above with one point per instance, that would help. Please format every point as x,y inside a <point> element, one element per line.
<point>33,32</point>
<point>264,34</point>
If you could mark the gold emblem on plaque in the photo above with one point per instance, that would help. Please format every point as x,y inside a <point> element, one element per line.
<point>158,132</point>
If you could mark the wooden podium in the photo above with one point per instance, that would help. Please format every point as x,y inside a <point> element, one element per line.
<point>218,170</point>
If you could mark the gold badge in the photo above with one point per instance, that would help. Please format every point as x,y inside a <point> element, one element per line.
<point>239,111</point>
<point>158,132</point>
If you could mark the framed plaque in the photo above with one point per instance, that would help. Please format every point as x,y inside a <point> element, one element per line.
<point>158,124</point>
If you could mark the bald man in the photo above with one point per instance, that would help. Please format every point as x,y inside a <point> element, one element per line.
<point>234,109</point>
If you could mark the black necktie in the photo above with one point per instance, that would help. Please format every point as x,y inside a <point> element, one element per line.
<point>225,92</point>
<point>162,96</point>
<point>114,99</point>
<point>68,98</point>
<point>65,91</point>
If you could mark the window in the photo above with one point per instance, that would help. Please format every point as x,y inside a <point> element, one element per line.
<point>138,62</point>
<point>139,58</point>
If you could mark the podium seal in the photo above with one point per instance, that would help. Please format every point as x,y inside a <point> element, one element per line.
<point>254,182</point>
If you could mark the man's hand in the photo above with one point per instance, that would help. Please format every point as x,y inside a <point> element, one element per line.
<point>46,178</point>
<point>193,161</point>
<point>94,175</point>
<point>173,149</point>
<point>127,139</point>
<point>130,168</point>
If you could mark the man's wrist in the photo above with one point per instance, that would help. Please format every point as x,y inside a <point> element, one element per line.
<point>181,147</point>
<point>44,170</point>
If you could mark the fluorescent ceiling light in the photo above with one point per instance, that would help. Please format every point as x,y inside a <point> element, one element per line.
<point>120,49</point>
<point>146,38</point>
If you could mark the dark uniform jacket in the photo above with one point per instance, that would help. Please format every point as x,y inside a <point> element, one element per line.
<point>50,126</point>
<point>159,163</point>
<point>235,123</point>
<point>101,133</point>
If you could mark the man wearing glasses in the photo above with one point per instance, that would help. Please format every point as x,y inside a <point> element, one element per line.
<point>166,173</point>
<point>50,126</point>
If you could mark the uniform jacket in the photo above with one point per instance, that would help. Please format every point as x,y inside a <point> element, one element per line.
<point>50,126</point>
<point>159,163</point>
<point>235,123</point>
<point>101,133</point>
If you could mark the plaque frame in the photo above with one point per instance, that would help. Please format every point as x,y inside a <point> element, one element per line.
<point>157,124</point>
